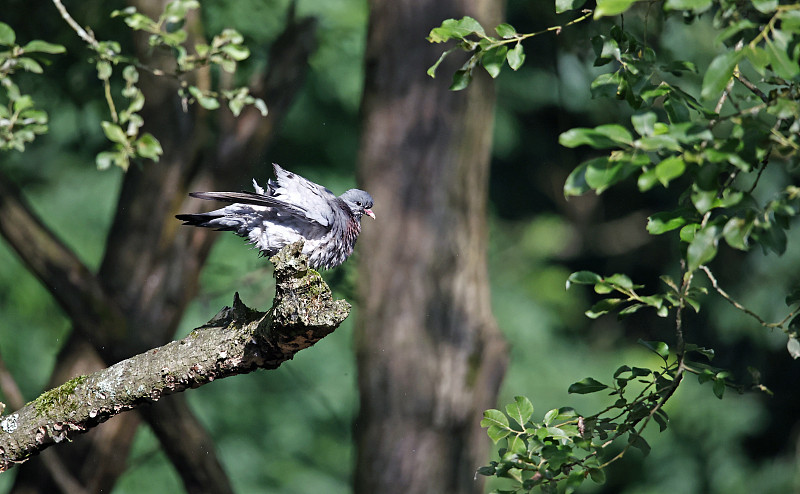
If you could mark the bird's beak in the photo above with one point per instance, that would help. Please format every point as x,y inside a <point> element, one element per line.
<point>369,213</point>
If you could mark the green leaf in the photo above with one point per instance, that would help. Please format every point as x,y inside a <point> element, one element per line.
<point>639,443</point>
<point>494,417</point>
<point>607,8</point>
<point>703,200</point>
<point>601,173</point>
<point>603,307</point>
<point>493,60</point>
<point>790,21</point>
<point>706,352</point>
<point>103,70</point>
<point>114,133</point>
<point>148,146</point>
<point>719,388</point>
<point>696,6</point>
<point>669,169</point>
<point>630,309</point>
<point>521,410</point>
<point>644,123</point>
<point>505,31</point>
<point>261,106</point>
<point>783,66</point>
<point>130,74</point>
<point>597,475</point>
<point>772,237</point>
<point>665,221</point>
<point>662,419</point>
<point>677,66</point>
<point>620,280</point>
<point>583,278</point>
<point>236,52</point>
<point>601,137</point>
<point>105,159</point>
<point>207,102</point>
<point>565,5</point>
<point>461,79</point>
<point>616,133</point>
<point>455,29</point>
<point>432,68</point>
<point>647,180</point>
<point>765,6</point>
<point>516,445</point>
<point>516,57</point>
<point>30,65</point>
<point>688,231</point>
<point>784,108</point>
<point>140,22</point>
<point>793,297</point>
<point>575,184</point>
<point>586,385</point>
<point>43,47</point>
<point>658,347</point>
<point>23,102</point>
<point>737,232</point>
<point>31,116</point>
<point>7,36</point>
<point>658,143</point>
<point>703,248</point>
<point>719,73</point>
<point>550,416</point>
<point>496,433</point>
<point>176,10</point>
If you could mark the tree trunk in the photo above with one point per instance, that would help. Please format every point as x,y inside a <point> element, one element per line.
<point>430,355</point>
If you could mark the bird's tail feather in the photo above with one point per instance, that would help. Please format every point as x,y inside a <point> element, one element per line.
<point>210,220</point>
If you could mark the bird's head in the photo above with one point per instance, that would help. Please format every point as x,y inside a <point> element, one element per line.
<point>359,202</point>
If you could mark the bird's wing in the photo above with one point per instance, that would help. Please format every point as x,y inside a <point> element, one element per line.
<point>317,202</point>
<point>253,199</point>
<point>290,194</point>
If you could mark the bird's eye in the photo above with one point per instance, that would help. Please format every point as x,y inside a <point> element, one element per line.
<point>358,203</point>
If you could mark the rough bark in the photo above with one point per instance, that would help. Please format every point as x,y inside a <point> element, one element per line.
<point>236,341</point>
<point>429,353</point>
<point>151,266</point>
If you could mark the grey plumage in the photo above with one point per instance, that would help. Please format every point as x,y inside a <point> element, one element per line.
<point>289,209</point>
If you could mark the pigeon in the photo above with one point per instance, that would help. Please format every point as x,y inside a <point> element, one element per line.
<point>290,209</point>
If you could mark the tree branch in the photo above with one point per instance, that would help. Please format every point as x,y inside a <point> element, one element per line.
<point>67,279</point>
<point>237,340</point>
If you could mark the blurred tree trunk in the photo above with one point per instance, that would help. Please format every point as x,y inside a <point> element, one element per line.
<point>430,355</point>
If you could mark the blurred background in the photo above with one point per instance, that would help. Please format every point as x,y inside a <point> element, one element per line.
<point>306,408</point>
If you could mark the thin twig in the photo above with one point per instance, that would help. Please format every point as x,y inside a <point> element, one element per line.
<point>84,35</point>
<point>733,302</point>
<point>749,85</point>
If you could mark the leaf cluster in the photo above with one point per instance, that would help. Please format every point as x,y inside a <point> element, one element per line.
<point>225,50</point>
<point>20,120</point>
<point>558,453</point>
<point>625,298</point>
<point>487,51</point>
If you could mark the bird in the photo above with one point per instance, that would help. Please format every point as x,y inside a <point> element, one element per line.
<point>289,209</point>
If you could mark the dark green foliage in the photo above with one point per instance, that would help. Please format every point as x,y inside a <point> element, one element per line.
<point>707,149</point>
